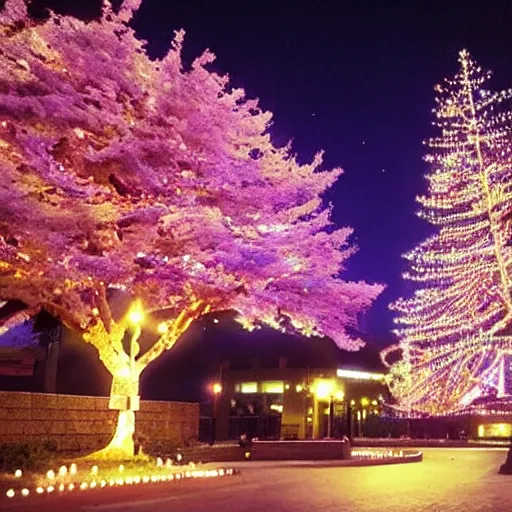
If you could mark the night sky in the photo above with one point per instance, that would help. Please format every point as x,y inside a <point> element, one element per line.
<point>353,78</point>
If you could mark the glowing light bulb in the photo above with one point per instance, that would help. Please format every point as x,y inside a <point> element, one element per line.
<point>10,493</point>
<point>18,473</point>
<point>136,313</point>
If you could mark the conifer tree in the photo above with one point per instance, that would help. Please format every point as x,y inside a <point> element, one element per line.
<point>453,329</point>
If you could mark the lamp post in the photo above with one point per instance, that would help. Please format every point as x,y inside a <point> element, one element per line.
<point>325,390</point>
<point>362,414</point>
<point>217,390</point>
<point>338,396</point>
<point>135,317</point>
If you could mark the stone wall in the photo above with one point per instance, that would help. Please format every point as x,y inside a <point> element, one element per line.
<point>82,423</point>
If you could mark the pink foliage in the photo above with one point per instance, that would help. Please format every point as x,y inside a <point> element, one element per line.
<point>119,170</point>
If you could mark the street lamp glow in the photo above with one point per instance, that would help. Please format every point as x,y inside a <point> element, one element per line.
<point>217,388</point>
<point>136,314</point>
<point>324,388</point>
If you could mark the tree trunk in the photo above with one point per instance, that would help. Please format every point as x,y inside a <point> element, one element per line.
<point>124,397</point>
<point>122,444</point>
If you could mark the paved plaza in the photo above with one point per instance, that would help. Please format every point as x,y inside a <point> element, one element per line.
<point>452,480</point>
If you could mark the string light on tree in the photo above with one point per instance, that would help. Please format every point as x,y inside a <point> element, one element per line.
<point>453,330</point>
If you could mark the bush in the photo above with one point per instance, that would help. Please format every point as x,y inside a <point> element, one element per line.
<point>160,448</point>
<point>31,455</point>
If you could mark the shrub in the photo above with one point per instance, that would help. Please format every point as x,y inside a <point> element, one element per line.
<point>30,455</point>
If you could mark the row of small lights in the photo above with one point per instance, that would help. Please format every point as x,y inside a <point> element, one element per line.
<point>377,454</point>
<point>129,480</point>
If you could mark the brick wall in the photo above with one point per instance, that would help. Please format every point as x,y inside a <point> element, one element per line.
<point>80,423</point>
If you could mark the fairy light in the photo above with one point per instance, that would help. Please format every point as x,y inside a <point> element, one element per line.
<point>448,330</point>
<point>128,480</point>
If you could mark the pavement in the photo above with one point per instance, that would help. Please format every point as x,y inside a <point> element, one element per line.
<point>451,480</point>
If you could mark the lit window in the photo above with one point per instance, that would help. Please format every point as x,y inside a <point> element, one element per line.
<point>495,430</point>
<point>249,387</point>
<point>272,386</point>
<point>357,375</point>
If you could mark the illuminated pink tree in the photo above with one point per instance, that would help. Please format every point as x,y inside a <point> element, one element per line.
<point>455,329</point>
<point>117,171</point>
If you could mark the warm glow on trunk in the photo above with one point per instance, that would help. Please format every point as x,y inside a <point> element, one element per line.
<point>122,444</point>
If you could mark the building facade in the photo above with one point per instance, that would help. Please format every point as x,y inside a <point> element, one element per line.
<point>297,403</point>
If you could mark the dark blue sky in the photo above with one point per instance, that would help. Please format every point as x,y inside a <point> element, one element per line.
<point>355,79</point>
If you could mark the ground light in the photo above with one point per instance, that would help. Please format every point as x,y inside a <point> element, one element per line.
<point>51,485</point>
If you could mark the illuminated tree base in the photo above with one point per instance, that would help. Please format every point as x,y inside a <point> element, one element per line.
<point>122,445</point>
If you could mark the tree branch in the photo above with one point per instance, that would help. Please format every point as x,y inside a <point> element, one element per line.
<point>108,344</point>
<point>175,328</point>
<point>16,318</point>
<point>103,306</point>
